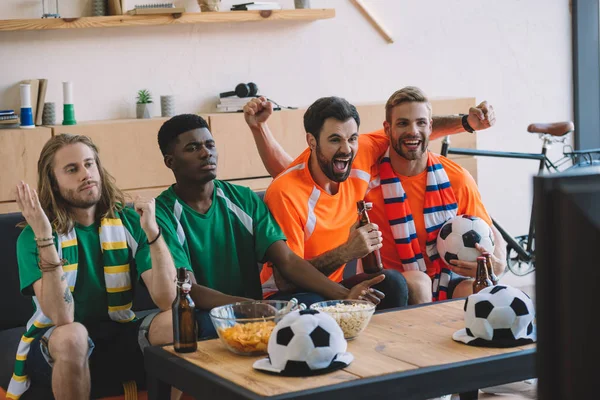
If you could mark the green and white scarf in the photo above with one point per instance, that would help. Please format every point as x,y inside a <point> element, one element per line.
<point>116,243</point>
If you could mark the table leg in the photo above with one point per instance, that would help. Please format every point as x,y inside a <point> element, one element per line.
<point>158,389</point>
<point>469,395</point>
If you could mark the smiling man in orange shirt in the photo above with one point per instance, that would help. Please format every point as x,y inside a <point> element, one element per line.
<point>314,199</point>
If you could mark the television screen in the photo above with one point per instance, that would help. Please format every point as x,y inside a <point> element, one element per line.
<point>567,227</point>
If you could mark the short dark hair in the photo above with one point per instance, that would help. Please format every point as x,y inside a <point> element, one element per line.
<point>328,107</point>
<point>171,129</point>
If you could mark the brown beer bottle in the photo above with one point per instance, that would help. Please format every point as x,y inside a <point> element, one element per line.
<point>482,279</point>
<point>371,262</point>
<point>490,268</point>
<point>185,329</point>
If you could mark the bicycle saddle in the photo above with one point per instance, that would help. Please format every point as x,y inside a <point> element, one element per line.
<point>553,128</point>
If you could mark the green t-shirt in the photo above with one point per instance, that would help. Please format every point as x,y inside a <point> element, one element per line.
<point>223,246</point>
<point>89,295</point>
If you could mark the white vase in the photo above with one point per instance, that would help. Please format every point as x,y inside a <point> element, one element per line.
<point>143,110</point>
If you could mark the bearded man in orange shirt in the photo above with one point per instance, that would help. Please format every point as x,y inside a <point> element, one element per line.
<point>314,199</point>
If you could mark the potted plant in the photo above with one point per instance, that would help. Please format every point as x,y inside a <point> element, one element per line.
<point>144,99</point>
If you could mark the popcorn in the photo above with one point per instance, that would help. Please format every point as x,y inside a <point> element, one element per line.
<point>352,318</point>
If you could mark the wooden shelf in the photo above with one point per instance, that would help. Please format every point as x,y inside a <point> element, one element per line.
<point>165,19</point>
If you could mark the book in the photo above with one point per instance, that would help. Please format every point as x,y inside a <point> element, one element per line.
<point>256,5</point>
<point>41,100</point>
<point>150,11</point>
<point>7,112</point>
<point>8,118</point>
<point>114,7</point>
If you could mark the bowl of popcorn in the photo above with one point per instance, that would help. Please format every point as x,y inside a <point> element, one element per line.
<point>245,327</point>
<point>352,316</point>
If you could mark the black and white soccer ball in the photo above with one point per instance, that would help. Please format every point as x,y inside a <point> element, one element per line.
<point>305,342</point>
<point>458,236</point>
<point>498,316</point>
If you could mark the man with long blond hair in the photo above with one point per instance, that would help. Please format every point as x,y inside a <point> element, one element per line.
<point>76,256</point>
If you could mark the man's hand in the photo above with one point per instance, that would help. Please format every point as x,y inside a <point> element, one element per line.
<point>469,268</point>
<point>29,204</point>
<point>482,116</point>
<point>363,240</point>
<point>257,111</point>
<point>145,208</point>
<point>364,291</point>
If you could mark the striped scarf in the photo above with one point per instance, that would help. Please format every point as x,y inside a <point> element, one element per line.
<point>116,242</point>
<point>439,206</point>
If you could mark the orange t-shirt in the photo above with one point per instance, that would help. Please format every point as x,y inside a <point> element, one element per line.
<point>314,221</point>
<point>467,197</point>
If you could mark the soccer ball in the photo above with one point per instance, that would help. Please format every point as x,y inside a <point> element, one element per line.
<point>304,342</point>
<point>499,314</point>
<point>458,236</point>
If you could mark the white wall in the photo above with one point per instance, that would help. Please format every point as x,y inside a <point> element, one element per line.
<point>514,53</point>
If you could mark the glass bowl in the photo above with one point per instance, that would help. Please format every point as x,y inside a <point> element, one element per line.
<point>245,327</point>
<point>352,316</point>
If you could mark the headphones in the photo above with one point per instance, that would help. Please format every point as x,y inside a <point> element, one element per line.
<point>249,89</point>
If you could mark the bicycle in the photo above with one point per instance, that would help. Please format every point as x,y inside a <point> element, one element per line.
<point>520,250</point>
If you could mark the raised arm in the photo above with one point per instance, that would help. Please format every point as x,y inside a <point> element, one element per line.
<point>256,112</point>
<point>479,118</point>
<point>160,279</point>
<point>51,290</point>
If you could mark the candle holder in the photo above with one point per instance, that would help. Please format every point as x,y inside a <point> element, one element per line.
<point>68,107</point>
<point>26,112</point>
<point>48,11</point>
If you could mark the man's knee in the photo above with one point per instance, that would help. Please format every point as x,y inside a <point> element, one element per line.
<point>419,287</point>
<point>463,289</point>
<point>69,342</point>
<point>395,288</point>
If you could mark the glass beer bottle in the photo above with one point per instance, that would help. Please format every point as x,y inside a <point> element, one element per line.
<point>482,279</point>
<point>490,268</point>
<point>371,262</point>
<point>185,329</point>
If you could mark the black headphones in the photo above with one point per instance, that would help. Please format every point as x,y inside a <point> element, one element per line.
<point>249,89</point>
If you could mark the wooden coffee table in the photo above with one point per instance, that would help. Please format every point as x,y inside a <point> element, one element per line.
<point>403,354</point>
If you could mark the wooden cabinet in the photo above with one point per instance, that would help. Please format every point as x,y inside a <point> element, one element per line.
<point>129,148</point>
<point>19,153</point>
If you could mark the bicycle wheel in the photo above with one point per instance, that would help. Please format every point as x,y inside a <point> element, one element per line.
<point>515,263</point>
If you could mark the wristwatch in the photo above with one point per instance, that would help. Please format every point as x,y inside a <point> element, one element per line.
<point>465,123</point>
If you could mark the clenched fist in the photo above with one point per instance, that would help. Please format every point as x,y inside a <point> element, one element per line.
<point>257,111</point>
<point>146,209</point>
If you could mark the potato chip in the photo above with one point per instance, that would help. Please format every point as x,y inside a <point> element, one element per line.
<point>248,338</point>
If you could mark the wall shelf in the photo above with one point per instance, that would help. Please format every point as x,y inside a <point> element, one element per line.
<point>165,19</point>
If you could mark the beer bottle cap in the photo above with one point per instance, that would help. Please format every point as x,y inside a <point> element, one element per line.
<point>186,287</point>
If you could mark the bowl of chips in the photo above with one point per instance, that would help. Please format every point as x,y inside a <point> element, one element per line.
<point>352,316</point>
<point>245,327</point>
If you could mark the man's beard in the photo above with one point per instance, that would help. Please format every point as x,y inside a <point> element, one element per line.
<point>69,197</point>
<point>327,165</point>
<point>411,155</point>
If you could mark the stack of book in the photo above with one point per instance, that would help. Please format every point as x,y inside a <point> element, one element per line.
<point>236,104</point>
<point>232,104</point>
<point>8,119</point>
<point>256,5</point>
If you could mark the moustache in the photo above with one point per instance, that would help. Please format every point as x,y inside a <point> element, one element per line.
<point>87,183</point>
<point>342,155</point>
<point>208,163</point>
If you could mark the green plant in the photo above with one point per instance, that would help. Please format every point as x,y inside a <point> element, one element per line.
<point>144,97</point>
